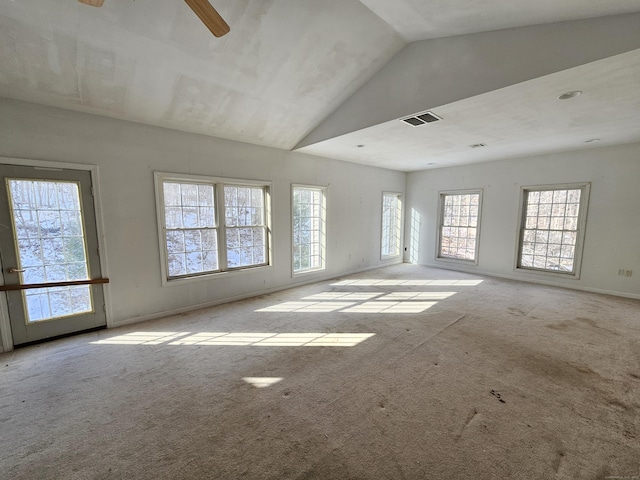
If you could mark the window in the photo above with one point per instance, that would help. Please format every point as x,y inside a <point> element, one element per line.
<point>459,225</point>
<point>190,228</point>
<point>198,237</point>
<point>245,226</point>
<point>308,228</point>
<point>391,224</point>
<point>552,228</point>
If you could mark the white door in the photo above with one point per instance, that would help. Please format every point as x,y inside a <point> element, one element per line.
<point>49,252</point>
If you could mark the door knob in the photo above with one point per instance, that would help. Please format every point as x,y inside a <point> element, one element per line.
<point>14,270</point>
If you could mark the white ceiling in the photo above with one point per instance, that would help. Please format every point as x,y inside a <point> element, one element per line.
<point>285,65</point>
<point>288,64</point>
<point>420,19</point>
<point>516,121</point>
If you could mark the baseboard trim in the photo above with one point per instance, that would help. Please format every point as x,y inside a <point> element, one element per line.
<point>549,283</point>
<point>235,298</point>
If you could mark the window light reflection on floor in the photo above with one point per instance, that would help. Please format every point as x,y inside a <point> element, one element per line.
<point>406,283</point>
<point>310,307</point>
<point>143,338</point>
<point>391,307</point>
<point>416,296</point>
<point>350,296</point>
<point>262,382</point>
<point>242,339</point>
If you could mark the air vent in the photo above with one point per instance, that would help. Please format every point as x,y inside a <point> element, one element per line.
<point>421,119</point>
<point>478,145</point>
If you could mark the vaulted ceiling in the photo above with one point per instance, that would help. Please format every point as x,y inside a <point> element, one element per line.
<point>325,77</point>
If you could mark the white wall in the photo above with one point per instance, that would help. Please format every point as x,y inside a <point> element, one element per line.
<point>613,222</point>
<point>127,154</point>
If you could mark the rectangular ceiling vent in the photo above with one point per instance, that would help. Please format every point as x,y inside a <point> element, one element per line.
<point>421,119</point>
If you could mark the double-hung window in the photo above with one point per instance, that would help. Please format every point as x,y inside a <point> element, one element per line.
<point>391,224</point>
<point>459,225</point>
<point>309,228</point>
<point>209,225</point>
<point>190,229</point>
<point>552,228</point>
<point>245,225</point>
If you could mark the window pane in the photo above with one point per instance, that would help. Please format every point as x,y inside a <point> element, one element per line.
<point>51,246</point>
<point>244,206</point>
<point>245,226</point>
<point>242,243</point>
<point>551,234</point>
<point>176,264</point>
<point>459,229</point>
<point>190,232</point>
<point>391,224</point>
<point>308,229</point>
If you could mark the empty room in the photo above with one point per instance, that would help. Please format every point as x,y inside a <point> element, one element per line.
<point>349,239</point>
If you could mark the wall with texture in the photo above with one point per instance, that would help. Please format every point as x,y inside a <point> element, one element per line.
<point>613,221</point>
<point>128,153</point>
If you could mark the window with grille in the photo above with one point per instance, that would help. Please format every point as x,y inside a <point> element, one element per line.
<point>209,225</point>
<point>552,228</point>
<point>190,228</point>
<point>308,228</point>
<point>391,224</point>
<point>459,225</point>
<point>245,227</point>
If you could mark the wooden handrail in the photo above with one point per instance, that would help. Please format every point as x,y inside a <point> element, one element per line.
<point>70,283</point>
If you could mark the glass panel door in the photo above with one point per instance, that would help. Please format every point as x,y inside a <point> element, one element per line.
<point>51,239</point>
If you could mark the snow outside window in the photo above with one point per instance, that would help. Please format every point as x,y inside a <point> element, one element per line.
<point>552,228</point>
<point>209,225</point>
<point>391,224</point>
<point>459,225</point>
<point>308,228</point>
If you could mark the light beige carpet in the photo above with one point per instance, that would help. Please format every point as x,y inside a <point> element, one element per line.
<point>401,373</point>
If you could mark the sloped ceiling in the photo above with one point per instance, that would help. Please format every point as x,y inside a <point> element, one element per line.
<point>283,68</point>
<point>420,20</point>
<point>324,77</point>
<point>498,88</point>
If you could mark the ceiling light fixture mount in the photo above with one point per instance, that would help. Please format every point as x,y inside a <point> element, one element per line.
<point>571,94</point>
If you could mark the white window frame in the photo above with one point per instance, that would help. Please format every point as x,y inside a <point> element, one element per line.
<point>323,230</point>
<point>218,184</point>
<point>585,188</point>
<point>397,229</point>
<point>441,204</point>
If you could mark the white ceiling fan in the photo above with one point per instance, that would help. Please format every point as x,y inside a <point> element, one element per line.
<point>202,8</point>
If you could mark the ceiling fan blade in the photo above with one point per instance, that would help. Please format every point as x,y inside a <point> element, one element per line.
<point>212,19</point>
<point>93,3</point>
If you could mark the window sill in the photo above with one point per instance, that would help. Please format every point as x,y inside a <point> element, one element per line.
<point>548,273</point>
<point>212,276</point>
<point>458,261</point>
<point>308,272</point>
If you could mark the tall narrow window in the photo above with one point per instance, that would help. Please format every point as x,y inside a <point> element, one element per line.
<point>459,225</point>
<point>190,228</point>
<point>210,225</point>
<point>308,228</point>
<point>552,228</point>
<point>391,224</point>
<point>245,226</point>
